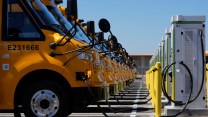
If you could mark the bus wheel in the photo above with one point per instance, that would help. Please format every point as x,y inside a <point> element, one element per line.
<point>46,99</point>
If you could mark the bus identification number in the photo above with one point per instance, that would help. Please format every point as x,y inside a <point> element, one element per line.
<point>23,47</point>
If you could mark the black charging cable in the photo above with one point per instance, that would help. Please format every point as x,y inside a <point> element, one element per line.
<point>191,89</point>
<point>84,78</point>
<point>203,67</point>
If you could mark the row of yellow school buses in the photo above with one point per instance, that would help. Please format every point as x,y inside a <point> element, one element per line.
<point>53,62</point>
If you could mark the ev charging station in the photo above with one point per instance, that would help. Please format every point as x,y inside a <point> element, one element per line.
<point>158,55</point>
<point>162,52</point>
<point>167,58</point>
<point>162,60</point>
<point>187,43</point>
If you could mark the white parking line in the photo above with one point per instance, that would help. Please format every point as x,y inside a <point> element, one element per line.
<point>135,106</point>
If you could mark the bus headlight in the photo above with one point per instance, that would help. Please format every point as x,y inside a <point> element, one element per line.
<point>85,56</point>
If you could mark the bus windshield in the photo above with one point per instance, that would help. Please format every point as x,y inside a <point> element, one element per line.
<point>66,26</point>
<point>42,12</point>
<point>51,15</point>
<point>82,34</point>
<point>45,17</point>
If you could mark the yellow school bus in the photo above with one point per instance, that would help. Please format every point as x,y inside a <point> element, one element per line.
<point>45,61</point>
<point>107,68</point>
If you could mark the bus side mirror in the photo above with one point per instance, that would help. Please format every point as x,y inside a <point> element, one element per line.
<point>119,49</point>
<point>72,10</point>
<point>101,37</point>
<point>90,28</point>
<point>58,1</point>
<point>112,43</point>
<point>104,25</point>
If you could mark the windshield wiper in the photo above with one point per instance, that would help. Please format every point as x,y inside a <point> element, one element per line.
<point>68,33</point>
<point>59,27</point>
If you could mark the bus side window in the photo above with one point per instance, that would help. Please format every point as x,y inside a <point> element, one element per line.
<point>20,27</point>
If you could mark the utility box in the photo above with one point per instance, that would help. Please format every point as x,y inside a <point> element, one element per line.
<point>188,36</point>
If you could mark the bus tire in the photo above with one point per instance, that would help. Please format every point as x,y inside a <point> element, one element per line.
<point>46,99</point>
